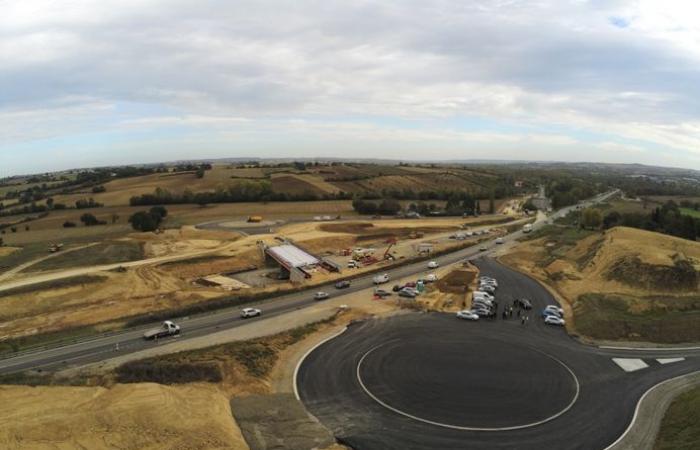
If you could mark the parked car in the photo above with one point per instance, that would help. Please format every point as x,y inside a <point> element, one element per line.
<point>320,295</point>
<point>379,279</point>
<point>433,265</point>
<point>551,312</point>
<point>483,312</point>
<point>352,264</point>
<point>250,312</point>
<point>407,292</point>
<point>523,303</point>
<point>499,240</point>
<point>167,328</point>
<point>482,248</point>
<point>487,288</point>
<point>342,284</point>
<point>554,320</point>
<point>482,294</point>
<point>381,293</point>
<point>430,278</point>
<point>555,308</point>
<point>467,315</point>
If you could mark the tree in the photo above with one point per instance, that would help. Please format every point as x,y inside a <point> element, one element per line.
<point>199,173</point>
<point>591,218</point>
<point>114,217</point>
<point>492,204</point>
<point>612,219</point>
<point>68,224</point>
<point>49,202</point>
<point>90,220</point>
<point>160,211</point>
<point>2,242</point>
<point>145,220</point>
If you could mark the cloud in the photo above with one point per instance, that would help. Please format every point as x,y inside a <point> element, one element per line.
<point>623,71</point>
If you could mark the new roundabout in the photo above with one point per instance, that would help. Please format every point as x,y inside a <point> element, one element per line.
<point>431,381</point>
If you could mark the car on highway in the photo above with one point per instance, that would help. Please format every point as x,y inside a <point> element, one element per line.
<point>554,320</point>
<point>482,248</point>
<point>381,293</point>
<point>320,295</point>
<point>167,328</point>
<point>408,293</point>
<point>379,279</point>
<point>523,303</point>
<point>433,265</point>
<point>555,308</point>
<point>342,284</point>
<point>250,312</point>
<point>467,315</point>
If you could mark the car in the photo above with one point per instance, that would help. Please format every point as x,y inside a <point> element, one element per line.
<point>499,240</point>
<point>482,248</point>
<point>482,294</point>
<point>342,284</point>
<point>381,293</point>
<point>320,295</point>
<point>550,312</point>
<point>487,288</point>
<point>488,280</point>
<point>483,312</point>
<point>555,308</point>
<point>250,312</point>
<point>410,284</point>
<point>352,264</point>
<point>523,303</point>
<point>481,305</point>
<point>407,292</point>
<point>467,315</point>
<point>554,320</point>
<point>433,265</point>
<point>431,277</point>
<point>379,279</point>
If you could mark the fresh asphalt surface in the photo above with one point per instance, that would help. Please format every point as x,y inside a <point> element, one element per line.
<point>426,380</point>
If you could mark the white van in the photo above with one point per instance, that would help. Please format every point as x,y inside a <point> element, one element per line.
<point>379,279</point>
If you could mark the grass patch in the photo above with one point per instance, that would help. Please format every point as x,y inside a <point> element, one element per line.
<point>680,427</point>
<point>54,284</point>
<point>26,254</point>
<point>690,212</point>
<point>104,253</point>
<point>652,319</point>
<point>257,357</point>
<point>557,241</point>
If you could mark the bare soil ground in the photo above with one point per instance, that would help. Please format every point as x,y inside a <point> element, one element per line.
<point>622,284</point>
<point>5,251</point>
<point>135,416</point>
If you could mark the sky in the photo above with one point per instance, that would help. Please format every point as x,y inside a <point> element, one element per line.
<point>95,83</point>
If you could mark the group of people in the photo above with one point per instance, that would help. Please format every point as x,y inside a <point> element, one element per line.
<point>508,312</point>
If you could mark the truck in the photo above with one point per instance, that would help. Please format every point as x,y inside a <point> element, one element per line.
<point>167,328</point>
<point>379,279</point>
<point>527,228</point>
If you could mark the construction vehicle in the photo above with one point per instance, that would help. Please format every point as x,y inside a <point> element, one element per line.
<point>168,328</point>
<point>255,219</point>
<point>53,248</point>
<point>387,255</point>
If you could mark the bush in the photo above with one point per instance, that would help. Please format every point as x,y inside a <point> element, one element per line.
<point>69,224</point>
<point>167,373</point>
<point>160,211</point>
<point>90,220</point>
<point>145,220</point>
<point>98,189</point>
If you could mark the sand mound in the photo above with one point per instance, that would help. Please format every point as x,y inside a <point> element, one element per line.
<point>135,416</point>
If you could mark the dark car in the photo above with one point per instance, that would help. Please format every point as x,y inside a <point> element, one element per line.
<point>342,284</point>
<point>407,293</point>
<point>523,303</point>
<point>396,288</point>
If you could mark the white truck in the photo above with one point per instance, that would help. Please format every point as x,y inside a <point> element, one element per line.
<point>168,328</point>
<point>379,279</point>
<point>527,228</point>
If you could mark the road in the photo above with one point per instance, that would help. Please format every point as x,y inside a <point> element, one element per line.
<point>427,381</point>
<point>103,347</point>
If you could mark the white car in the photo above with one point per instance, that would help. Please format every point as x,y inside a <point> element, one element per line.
<point>431,277</point>
<point>487,288</point>
<point>250,312</point>
<point>499,241</point>
<point>554,308</point>
<point>554,320</point>
<point>467,315</point>
<point>433,265</point>
<point>481,294</point>
<point>321,295</point>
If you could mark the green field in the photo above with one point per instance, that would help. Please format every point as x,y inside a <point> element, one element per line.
<point>690,212</point>
<point>680,427</point>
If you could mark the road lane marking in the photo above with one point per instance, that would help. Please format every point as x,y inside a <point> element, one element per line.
<point>630,364</point>
<point>669,360</point>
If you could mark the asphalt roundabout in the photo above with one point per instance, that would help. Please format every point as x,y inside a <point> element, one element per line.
<point>456,381</point>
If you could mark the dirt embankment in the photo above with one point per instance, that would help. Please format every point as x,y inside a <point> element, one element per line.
<point>624,283</point>
<point>135,416</point>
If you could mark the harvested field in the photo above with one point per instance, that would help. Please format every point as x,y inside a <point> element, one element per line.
<point>135,416</point>
<point>368,231</point>
<point>294,185</point>
<point>198,267</point>
<point>80,280</point>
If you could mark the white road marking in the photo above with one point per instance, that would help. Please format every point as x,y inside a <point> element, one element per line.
<point>630,364</point>
<point>669,360</point>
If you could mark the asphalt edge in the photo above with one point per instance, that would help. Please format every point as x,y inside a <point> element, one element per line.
<point>651,408</point>
<point>301,360</point>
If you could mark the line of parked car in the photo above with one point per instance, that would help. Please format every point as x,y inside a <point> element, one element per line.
<point>483,300</point>
<point>553,315</point>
